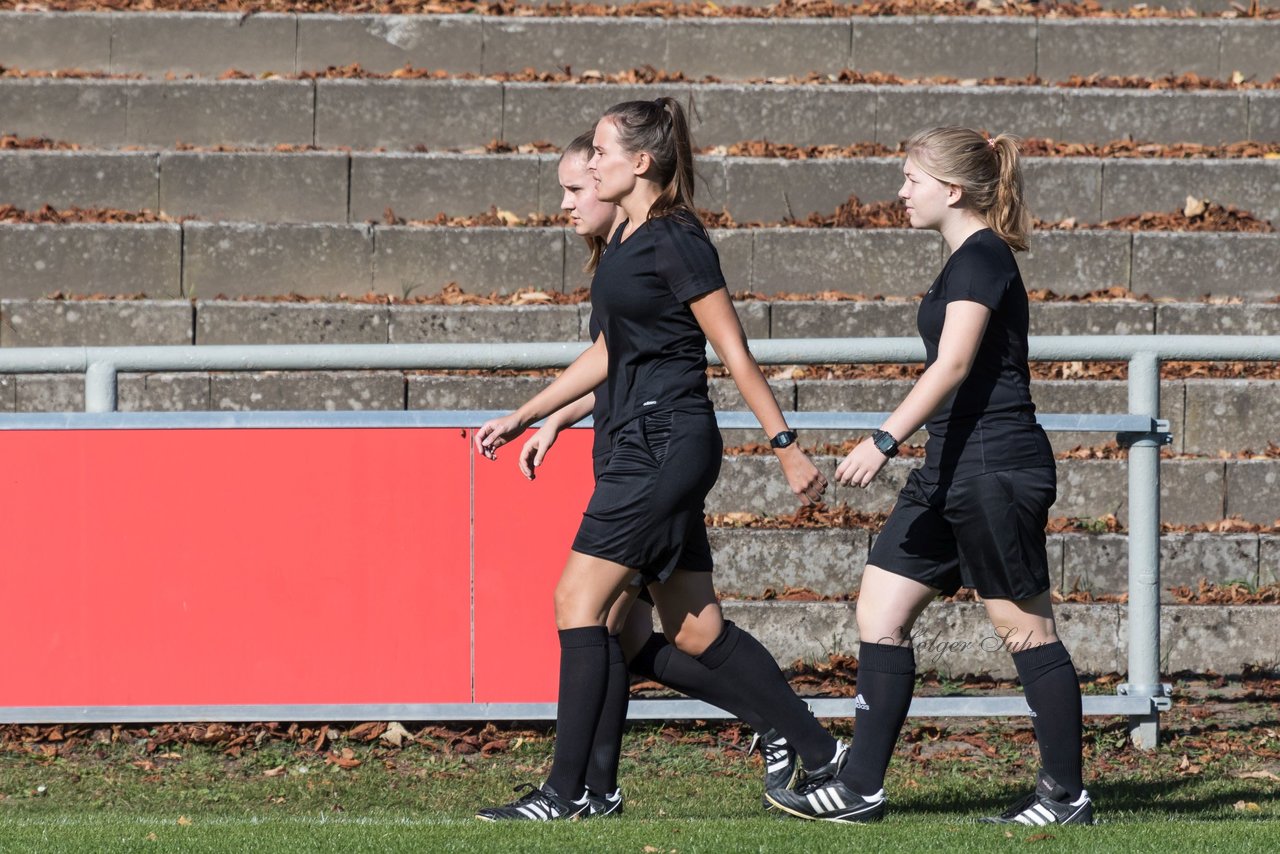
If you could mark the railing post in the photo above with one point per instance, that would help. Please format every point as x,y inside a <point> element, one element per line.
<point>100,387</point>
<point>1144,553</point>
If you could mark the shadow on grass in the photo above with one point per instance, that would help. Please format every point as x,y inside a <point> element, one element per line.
<point>1207,799</point>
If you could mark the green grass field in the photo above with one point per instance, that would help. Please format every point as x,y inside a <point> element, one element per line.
<point>1212,786</point>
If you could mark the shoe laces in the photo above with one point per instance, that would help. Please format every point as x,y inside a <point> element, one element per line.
<point>1024,804</point>
<point>531,793</point>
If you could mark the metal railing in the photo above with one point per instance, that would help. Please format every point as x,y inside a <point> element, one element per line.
<point>1141,698</point>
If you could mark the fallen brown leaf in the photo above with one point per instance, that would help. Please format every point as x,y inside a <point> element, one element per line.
<point>1258,775</point>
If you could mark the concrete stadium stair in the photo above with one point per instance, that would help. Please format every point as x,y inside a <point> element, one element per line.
<point>340,187</point>
<point>366,113</point>
<point>205,44</point>
<point>203,260</point>
<point>268,223</point>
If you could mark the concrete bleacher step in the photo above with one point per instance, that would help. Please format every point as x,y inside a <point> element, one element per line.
<point>953,46</point>
<point>204,260</point>
<point>829,561</point>
<point>442,114</point>
<point>366,114</point>
<point>339,187</point>
<point>954,638</point>
<point>106,322</point>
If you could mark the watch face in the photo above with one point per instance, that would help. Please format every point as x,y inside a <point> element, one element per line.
<point>783,439</point>
<point>885,442</point>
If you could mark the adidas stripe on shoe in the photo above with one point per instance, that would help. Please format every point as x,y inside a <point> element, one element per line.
<point>781,763</point>
<point>604,806</point>
<point>829,800</point>
<point>537,804</point>
<point>1048,804</point>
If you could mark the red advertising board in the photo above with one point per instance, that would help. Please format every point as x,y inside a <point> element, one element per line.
<point>523,533</point>
<point>262,566</point>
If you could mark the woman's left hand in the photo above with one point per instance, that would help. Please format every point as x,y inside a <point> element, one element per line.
<point>862,465</point>
<point>803,476</point>
<point>496,432</point>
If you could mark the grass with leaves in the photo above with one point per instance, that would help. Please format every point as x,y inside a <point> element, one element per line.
<point>689,788</point>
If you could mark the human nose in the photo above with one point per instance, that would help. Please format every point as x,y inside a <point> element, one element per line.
<point>566,201</point>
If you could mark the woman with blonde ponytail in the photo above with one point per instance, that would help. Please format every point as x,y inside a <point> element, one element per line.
<point>658,297</point>
<point>974,514</point>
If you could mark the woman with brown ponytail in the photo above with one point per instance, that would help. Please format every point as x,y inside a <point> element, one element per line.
<point>974,514</point>
<point>658,297</point>
<point>634,647</point>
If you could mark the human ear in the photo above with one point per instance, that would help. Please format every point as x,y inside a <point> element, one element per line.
<point>954,194</point>
<point>642,162</point>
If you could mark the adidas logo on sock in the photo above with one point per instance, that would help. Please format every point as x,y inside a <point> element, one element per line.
<point>860,703</point>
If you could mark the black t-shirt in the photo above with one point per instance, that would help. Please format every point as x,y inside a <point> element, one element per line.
<point>989,424</point>
<point>640,295</point>
<point>600,410</point>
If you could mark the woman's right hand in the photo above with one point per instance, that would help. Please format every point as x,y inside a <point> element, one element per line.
<point>536,448</point>
<point>802,475</point>
<point>496,432</point>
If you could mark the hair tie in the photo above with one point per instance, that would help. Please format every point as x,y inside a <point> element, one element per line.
<point>991,142</point>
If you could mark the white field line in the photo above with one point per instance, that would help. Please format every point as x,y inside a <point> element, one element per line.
<point>225,821</point>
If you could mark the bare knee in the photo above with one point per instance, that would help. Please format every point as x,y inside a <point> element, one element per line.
<point>889,605</point>
<point>695,634</point>
<point>882,626</point>
<point>573,610</point>
<point>1023,624</point>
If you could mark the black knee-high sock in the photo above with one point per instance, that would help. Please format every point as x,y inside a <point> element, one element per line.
<point>886,678</point>
<point>643,663</point>
<point>584,675</point>
<point>747,666</point>
<point>602,771</point>
<point>660,661</point>
<point>1052,690</point>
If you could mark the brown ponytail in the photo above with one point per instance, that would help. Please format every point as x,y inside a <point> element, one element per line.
<point>660,128</point>
<point>583,146</point>
<point>988,172</point>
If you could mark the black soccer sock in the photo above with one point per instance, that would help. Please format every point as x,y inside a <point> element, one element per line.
<point>602,770</point>
<point>748,668</point>
<point>643,663</point>
<point>1052,689</point>
<point>886,678</point>
<point>584,676</point>
<point>688,675</point>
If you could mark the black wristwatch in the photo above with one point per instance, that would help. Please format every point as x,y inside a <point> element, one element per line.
<point>885,443</point>
<point>784,439</point>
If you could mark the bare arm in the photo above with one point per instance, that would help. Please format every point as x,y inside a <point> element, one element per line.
<point>577,380</point>
<point>572,413</point>
<point>536,448</point>
<point>962,332</point>
<point>719,322</point>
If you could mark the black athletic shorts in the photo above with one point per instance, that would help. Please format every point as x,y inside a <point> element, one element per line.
<point>647,509</point>
<point>984,532</point>
<point>598,463</point>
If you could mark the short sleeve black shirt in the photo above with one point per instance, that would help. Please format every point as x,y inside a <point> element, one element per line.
<point>989,425</point>
<point>600,410</point>
<point>640,297</point>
